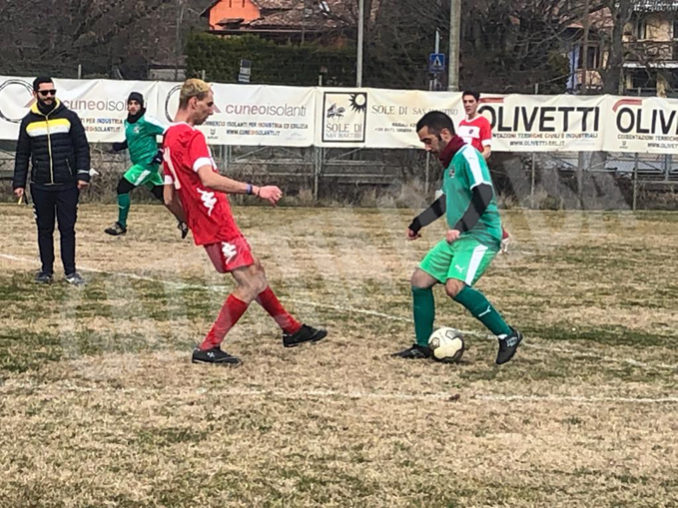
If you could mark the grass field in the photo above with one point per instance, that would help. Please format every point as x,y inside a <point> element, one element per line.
<point>100,405</point>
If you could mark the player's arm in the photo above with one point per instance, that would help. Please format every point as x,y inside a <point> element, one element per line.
<point>486,140</point>
<point>481,196</point>
<point>487,150</point>
<point>213,180</point>
<point>119,146</point>
<point>433,212</point>
<point>172,200</point>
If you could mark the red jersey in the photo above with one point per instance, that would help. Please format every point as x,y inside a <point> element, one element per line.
<point>476,132</point>
<point>208,212</point>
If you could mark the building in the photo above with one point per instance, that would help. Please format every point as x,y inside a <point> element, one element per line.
<point>283,20</point>
<point>650,42</point>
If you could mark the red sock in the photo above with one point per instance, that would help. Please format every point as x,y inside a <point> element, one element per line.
<point>272,305</point>
<point>228,316</point>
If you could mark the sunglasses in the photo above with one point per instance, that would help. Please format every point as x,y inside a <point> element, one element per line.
<point>45,93</point>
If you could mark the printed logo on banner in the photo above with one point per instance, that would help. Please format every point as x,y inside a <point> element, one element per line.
<point>344,117</point>
<point>172,103</point>
<point>16,98</point>
<point>649,124</point>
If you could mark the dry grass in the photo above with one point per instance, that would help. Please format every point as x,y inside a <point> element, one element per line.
<point>100,406</point>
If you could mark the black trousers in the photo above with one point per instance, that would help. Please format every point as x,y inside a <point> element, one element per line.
<point>61,204</point>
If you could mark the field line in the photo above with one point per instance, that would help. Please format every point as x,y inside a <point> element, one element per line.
<point>346,309</point>
<point>16,388</point>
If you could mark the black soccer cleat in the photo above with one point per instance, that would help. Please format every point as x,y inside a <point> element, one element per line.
<point>75,279</point>
<point>214,355</point>
<point>43,278</point>
<point>304,334</point>
<point>508,346</point>
<point>414,352</point>
<point>116,229</point>
<point>183,227</point>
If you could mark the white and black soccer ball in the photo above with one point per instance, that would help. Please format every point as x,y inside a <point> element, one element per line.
<point>447,344</point>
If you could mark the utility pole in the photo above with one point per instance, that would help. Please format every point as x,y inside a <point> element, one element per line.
<point>455,29</point>
<point>585,49</point>
<point>177,38</point>
<point>361,35</point>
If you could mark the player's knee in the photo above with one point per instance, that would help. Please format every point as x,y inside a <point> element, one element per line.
<point>420,280</point>
<point>157,191</point>
<point>453,287</point>
<point>124,186</point>
<point>257,278</point>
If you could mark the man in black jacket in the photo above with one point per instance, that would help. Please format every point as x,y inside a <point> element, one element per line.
<point>53,138</point>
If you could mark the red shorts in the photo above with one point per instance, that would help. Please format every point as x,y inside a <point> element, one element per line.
<point>227,256</point>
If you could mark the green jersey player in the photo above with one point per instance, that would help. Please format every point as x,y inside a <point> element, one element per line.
<point>141,132</point>
<point>471,242</point>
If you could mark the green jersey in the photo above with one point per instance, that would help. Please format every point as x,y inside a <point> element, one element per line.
<point>141,141</point>
<point>467,170</point>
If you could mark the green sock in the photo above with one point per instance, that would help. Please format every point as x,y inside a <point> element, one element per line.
<point>424,308</point>
<point>482,310</point>
<point>123,209</point>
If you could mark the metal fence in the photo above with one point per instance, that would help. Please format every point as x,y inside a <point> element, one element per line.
<point>327,173</point>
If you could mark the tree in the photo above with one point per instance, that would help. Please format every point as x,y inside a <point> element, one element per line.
<point>98,34</point>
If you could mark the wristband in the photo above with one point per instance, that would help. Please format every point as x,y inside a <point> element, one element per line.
<point>248,190</point>
<point>415,225</point>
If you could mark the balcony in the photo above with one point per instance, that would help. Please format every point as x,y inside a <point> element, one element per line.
<point>651,53</point>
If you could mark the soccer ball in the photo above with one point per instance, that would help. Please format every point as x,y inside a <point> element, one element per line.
<point>447,344</point>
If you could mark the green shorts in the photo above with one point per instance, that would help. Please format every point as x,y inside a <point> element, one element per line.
<point>466,260</point>
<point>139,175</point>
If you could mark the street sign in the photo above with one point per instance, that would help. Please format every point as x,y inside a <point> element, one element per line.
<point>245,71</point>
<point>436,62</point>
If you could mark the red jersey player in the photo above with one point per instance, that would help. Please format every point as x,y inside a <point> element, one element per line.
<point>476,130</point>
<point>197,193</point>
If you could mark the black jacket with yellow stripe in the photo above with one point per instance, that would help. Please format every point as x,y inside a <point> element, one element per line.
<point>57,146</point>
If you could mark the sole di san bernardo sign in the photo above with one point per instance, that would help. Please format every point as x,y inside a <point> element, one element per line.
<point>259,115</point>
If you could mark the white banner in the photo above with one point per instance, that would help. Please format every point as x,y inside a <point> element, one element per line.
<point>258,115</point>
<point>252,115</point>
<point>376,118</point>
<point>641,124</point>
<point>534,123</point>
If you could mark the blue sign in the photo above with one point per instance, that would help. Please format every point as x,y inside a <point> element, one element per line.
<point>436,62</point>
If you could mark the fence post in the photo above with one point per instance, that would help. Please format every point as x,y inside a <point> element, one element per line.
<point>317,169</point>
<point>426,175</point>
<point>635,182</point>
<point>532,179</point>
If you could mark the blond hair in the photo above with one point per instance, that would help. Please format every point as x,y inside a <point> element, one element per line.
<point>192,88</point>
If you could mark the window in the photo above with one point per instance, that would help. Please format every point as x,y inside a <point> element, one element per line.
<point>675,28</point>
<point>641,28</point>
<point>592,56</point>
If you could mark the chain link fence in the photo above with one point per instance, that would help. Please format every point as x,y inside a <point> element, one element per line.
<point>372,177</point>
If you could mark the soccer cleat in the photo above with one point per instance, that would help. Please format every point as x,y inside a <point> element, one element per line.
<point>508,344</point>
<point>183,227</point>
<point>505,241</point>
<point>43,278</point>
<point>74,279</point>
<point>304,334</point>
<point>116,229</point>
<point>214,355</point>
<point>414,352</point>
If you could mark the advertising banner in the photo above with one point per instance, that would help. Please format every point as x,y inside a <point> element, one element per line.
<point>260,115</point>
<point>641,124</point>
<point>375,118</point>
<point>252,115</point>
<point>543,123</point>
